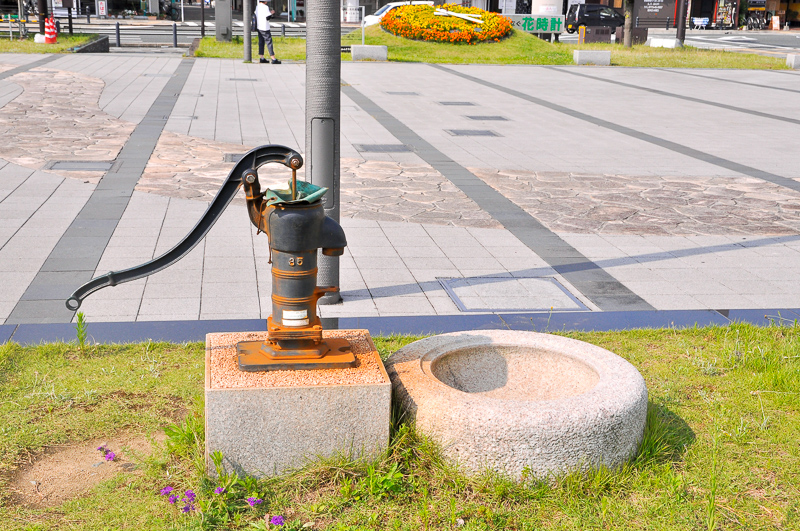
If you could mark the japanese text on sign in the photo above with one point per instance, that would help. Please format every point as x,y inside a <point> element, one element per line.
<point>537,23</point>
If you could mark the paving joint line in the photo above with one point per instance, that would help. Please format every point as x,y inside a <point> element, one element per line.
<point>74,258</point>
<point>633,133</point>
<point>728,80</point>
<point>593,282</point>
<point>677,96</point>
<point>24,68</point>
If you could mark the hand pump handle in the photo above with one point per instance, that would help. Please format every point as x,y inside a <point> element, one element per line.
<point>249,162</point>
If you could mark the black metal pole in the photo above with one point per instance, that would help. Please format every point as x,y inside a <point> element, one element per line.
<point>88,15</point>
<point>69,15</point>
<point>681,33</point>
<point>117,33</point>
<point>42,15</point>
<point>283,31</point>
<point>202,18</point>
<point>174,35</point>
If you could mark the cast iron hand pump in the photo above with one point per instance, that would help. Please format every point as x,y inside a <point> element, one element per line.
<point>296,224</point>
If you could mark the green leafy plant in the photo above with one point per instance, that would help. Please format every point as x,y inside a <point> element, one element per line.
<point>80,331</point>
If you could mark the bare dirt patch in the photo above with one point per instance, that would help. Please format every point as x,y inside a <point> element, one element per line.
<point>68,471</point>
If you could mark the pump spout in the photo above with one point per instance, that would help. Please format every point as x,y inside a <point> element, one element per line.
<point>248,165</point>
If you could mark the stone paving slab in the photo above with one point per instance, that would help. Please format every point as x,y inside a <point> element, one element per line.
<point>678,232</point>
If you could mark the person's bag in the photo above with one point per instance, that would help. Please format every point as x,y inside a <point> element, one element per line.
<point>254,21</point>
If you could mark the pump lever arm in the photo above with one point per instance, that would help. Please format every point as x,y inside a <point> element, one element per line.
<point>250,161</point>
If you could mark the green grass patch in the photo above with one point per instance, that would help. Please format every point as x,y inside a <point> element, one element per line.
<point>519,48</point>
<point>720,451</point>
<point>65,43</point>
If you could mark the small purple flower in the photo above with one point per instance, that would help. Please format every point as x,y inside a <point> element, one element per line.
<point>110,456</point>
<point>166,490</point>
<point>254,501</point>
<point>219,490</point>
<point>173,499</point>
<point>190,496</point>
<point>277,520</point>
<point>186,508</point>
<point>101,448</point>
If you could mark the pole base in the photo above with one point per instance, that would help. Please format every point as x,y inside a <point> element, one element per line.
<point>268,356</point>
<point>330,298</point>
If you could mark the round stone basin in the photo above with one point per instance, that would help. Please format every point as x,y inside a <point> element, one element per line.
<point>514,373</point>
<point>510,401</point>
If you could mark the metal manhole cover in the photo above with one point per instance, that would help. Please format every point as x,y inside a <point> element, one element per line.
<point>79,165</point>
<point>457,103</point>
<point>471,132</point>
<point>489,118</point>
<point>381,148</point>
<point>510,294</point>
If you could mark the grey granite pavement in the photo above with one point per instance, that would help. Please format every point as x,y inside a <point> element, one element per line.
<point>629,188</point>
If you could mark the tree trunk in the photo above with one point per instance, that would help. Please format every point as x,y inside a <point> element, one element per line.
<point>628,27</point>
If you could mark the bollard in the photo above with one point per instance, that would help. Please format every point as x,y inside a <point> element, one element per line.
<point>88,16</point>
<point>283,31</point>
<point>174,35</point>
<point>667,23</point>
<point>119,45</point>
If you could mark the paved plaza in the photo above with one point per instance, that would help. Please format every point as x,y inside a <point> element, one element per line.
<point>466,189</point>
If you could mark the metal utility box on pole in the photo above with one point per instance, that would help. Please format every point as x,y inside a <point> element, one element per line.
<point>323,89</point>
<point>223,20</point>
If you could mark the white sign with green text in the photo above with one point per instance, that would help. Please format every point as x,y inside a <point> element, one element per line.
<point>537,23</point>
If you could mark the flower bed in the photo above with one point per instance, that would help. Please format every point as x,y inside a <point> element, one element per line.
<point>418,22</point>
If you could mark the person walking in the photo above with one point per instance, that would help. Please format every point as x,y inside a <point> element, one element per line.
<point>263,13</point>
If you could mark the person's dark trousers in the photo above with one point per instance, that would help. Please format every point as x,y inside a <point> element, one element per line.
<point>265,36</point>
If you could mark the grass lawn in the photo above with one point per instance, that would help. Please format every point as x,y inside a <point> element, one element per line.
<point>721,449</point>
<point>65,42</point>
<point>520,48</point>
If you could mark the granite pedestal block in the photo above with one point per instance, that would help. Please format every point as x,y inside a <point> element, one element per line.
<point>664,42</point>
<point>268,423</point>
<point>793,61</point>
<point>591,57</point>
<point>369,52</point>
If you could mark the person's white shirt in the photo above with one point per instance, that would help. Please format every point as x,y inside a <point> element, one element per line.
<point>263,12</point>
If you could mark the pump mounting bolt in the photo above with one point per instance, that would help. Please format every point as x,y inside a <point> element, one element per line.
<point>295,162</point>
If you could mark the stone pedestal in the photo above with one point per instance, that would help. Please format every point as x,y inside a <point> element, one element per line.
<point>793,61</point>
<point>369,52</point>
<point>591,57</point>
<point>267,423</point>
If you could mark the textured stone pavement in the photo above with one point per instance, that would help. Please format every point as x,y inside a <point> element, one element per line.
<point>682,214</point>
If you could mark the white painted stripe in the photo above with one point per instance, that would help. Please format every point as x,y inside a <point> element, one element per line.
<point>273,25</point>
<point>291,25</point>
<point>191,23</point>
<point>239,24</point>
<point>209,24</point>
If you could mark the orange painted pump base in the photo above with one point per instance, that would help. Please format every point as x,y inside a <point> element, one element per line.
<point>274,355</point>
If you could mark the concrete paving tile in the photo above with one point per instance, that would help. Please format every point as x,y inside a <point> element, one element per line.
<point>404,305</point>
<point>180,290</point>
<point>165,307</point>
<point>645,288</point>
<point>97,308</point>
<point>674,301</point>
<point>213,290</point>
<point>379,292</point>
<point>466,252</point>
<point>234,305</point>
<point>377,252</point>
<point>433,263</point>
<point>476,262</point>
<point>379,262</point>
<point>375,276</point>
<point>725,301</point>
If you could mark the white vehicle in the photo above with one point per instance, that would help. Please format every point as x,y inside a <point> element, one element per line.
<point>375,18</point>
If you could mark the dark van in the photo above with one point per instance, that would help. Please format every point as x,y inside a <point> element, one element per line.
<point>592,15</point>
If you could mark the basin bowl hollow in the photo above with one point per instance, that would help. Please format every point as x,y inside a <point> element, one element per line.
<point>511,401</point>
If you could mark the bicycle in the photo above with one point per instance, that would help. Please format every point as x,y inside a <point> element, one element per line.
<point>171,12</point>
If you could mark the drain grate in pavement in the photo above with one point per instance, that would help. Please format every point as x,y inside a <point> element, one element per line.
<point>79,165</point>
<point>242,79</point>
<point>402,93</point>
<point>457,103</point>
<point>510,294</point>
<point>181,117</point>
<point>233,157</point>
<point>382,148</point>
<point>489,118</point>
<point>471,132</point>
